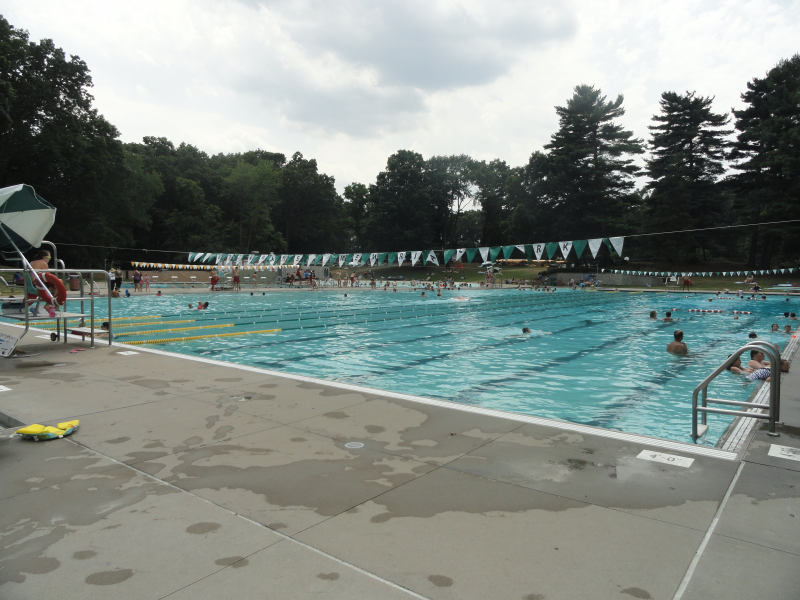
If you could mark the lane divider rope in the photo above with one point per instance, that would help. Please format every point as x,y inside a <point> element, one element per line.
<point>197,337</point>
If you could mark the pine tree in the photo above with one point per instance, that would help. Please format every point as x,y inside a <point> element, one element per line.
<point>687,152</point>
<point>590,167</point>
<point>767,155</point>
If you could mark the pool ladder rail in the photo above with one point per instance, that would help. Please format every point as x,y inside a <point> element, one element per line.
<point>773,408</point>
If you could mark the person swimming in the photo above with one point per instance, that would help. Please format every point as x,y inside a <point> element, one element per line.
<point>774,327</point>
<point>668,318</point>
<point>653,314</point>
<point>677,346</point>
<point>526,330</point>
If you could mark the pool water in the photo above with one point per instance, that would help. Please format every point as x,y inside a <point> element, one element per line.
<point>594,358</point>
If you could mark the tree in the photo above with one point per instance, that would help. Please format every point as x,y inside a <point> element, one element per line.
<point>590,170</point>
<point>491,195</point>
<point>451,184</point>
<point>251,190</point>
<point>767,160</point>
<point>310,214</point>
<point>687,148</point>
<point>402,215</point>
<point>357,201</point>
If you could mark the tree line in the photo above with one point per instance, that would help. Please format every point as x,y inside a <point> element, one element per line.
<point>697,169</point>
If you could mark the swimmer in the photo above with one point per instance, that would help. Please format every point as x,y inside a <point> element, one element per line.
<point>104,331</point>
<point>710,299</point>
<point>736,367</point>
<point>653,314</point>
<point>735,317</point>
<point>422,294</point>
<point>774,327</point>
<point>753,335</point>
<point>526,330</point>
<point>787,329</point>
<point>757,360</point>
<point>793,317</point>
<point>461,298</point>
<point>668,318</point>
<point>439,293</point>
<point>677,346</point>
<point>158,293</point>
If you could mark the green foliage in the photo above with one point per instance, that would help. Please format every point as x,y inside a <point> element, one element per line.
<point>767,160</point>
<point>582,185</point>
<point>687,150</point>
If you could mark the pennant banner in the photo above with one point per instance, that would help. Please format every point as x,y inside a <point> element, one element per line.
<point>565,248</point>
<point>373,258</point>
<point>459,253</point>
<point>484,253</point>
<point>579,246</point>
<point>432,258</point>
<point>415,257</point>
<point>537,250</point>
<point>617,243</point>
<point>471,252</point>
<point>401,257</point>
<point>594,246</point>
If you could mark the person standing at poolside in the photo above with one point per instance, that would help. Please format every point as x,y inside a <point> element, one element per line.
<point>118,275</point>
<point>236,282</point>
<point>677,346</point>
<point>146,280</point>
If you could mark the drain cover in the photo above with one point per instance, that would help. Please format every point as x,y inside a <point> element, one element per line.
<point>354,445</point>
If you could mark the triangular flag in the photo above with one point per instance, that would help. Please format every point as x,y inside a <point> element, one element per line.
<point>459,254</point>
<point>297,258</point>
<point>363,259</point>
<point>325,259</point>
<point>617,242</point>
<point>448,254</point>
<point>355,261</point>
<point>414,258</point>
<point>373,258</point>
<point>471,252</point>
<point>484,253</point>
<point>401,258</point>
<point>579,246</point>
<point>432,258</point>
<point>594,246</point>
<point>493,252</point>
<point>284,258</point>
<point>391,258</point>
<point>342,258</point>
<point>508,251</point>
<point>551,249</point>
<point>537,250</point>
<point>382,257</point>
<point>565,248</point>
<point>521,248</point>
<point>312,258</point>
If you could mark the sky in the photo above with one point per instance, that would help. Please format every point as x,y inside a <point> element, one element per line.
<point>351,82</point>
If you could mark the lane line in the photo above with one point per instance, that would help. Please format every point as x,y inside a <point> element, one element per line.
<point>697,555</point>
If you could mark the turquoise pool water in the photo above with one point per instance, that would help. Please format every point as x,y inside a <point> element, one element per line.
<point>593,357</point>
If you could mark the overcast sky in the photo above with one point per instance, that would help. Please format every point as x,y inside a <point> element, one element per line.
<point>349,82</point>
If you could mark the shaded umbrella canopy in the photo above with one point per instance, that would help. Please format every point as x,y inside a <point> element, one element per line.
<point>26,217</point>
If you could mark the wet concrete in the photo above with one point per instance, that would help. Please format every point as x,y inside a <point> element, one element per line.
<point>185,479</point>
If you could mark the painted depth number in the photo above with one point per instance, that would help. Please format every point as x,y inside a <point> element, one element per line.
<point>667,459</point>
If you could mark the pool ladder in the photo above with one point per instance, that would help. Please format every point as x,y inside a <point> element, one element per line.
<point>773,408</point>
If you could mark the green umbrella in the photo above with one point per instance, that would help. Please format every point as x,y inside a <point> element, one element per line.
<point>26,218</point>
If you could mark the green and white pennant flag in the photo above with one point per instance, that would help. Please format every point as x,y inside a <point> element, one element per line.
<point>311,259</point>
<point>565,248</point>
<point>538,249</point>
<point>373,258</point>
<point>325,259</point>
<point>484,253</point>
<point>355,261</point>
<point>283,259</point>
<point>297,258</point>
<point>459,253</point>
<point>594,246</point>
<point>432,258</point>
<point>415,257</point>
<point>401,257</point>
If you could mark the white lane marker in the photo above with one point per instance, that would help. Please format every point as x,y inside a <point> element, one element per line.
<point>784,452</point>
<point>667,459</point>
<point>4,388</point>
<point>696,559</point>
<point>128,353</point>
<point>354,445</point>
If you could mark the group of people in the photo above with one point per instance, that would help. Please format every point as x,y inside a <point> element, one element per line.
<point>756,369</point>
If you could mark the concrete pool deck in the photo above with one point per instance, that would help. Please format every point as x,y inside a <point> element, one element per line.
<point>189,479</point>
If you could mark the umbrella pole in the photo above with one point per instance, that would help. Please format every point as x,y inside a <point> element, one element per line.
<point>27,266</point>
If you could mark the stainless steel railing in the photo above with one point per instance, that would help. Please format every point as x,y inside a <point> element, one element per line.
<point>26,303</point>
<point>773,408</point>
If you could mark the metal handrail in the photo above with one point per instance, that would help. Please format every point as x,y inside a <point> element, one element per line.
<point>773,414</point>
<point>91,272</point>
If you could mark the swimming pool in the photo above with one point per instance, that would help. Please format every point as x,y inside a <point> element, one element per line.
<point>594,358</point>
